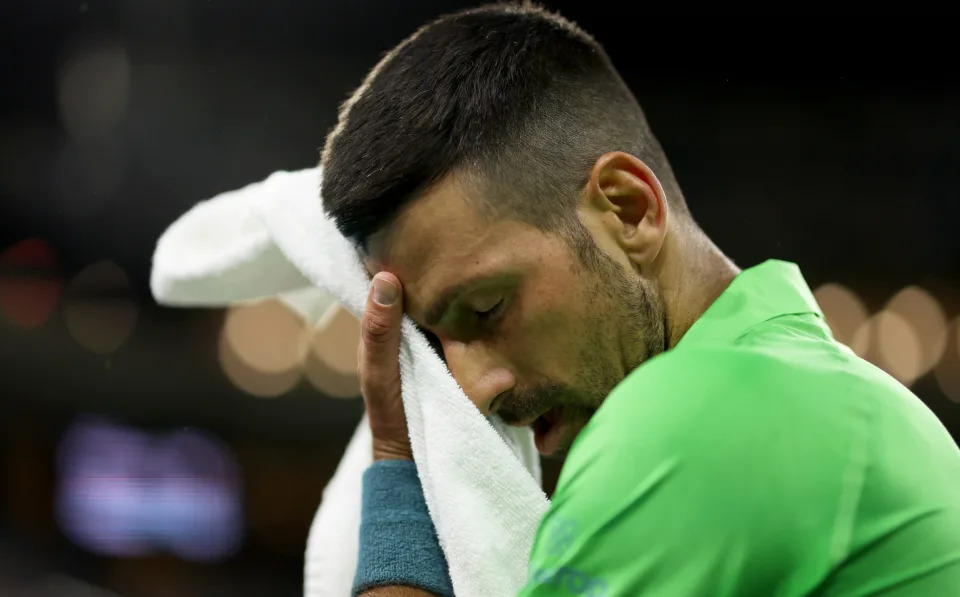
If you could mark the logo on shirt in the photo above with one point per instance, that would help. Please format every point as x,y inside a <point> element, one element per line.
<point>574,581</point>
<point>560,534</point>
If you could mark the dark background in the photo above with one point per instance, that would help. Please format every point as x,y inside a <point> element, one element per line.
<point>824,134</point>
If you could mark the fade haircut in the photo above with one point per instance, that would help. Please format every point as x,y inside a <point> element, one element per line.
<point>515,100</point>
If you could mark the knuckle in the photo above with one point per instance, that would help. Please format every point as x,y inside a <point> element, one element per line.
<point>376,329</point>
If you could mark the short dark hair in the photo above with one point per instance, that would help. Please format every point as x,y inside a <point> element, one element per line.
<point>519,99</point>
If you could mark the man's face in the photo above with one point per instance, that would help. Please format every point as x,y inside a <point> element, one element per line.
<point>526,328</point>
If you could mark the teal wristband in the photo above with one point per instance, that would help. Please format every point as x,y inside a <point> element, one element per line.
<point>398,542</point>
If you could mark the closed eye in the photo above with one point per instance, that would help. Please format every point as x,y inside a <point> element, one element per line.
<point>486,316</point>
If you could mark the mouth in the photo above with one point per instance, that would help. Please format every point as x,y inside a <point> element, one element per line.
<point>549,430</point>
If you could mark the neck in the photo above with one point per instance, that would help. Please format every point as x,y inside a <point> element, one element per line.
<point>692,274</point>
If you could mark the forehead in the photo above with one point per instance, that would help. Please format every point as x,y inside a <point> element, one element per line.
<point>442,238</point>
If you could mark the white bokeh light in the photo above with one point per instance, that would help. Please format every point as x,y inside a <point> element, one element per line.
<point>261,347</point>
<point>897,346</point>
<point>266,335</point>
<point>925,315</point>
<point>331,363</point>
<point>843,309</point>
<point>948,369</point>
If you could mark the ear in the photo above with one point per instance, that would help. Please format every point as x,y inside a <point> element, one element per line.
<point>631,205</point>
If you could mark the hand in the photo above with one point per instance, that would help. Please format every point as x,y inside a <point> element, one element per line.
<point>379,368</point>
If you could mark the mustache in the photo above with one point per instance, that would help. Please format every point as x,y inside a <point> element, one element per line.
<point>524,404</point>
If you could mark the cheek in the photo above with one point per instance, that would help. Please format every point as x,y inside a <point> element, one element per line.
<point>546,334</point>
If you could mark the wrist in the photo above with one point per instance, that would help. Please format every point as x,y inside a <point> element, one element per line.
<point>391,450</point>
<point>398,541</point>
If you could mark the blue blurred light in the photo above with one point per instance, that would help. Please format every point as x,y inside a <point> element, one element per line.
<point>125,492</point>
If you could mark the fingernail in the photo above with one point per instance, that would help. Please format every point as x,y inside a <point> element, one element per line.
<point>384,292</point>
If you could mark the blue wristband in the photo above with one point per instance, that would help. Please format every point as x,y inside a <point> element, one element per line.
<point>398,542</point>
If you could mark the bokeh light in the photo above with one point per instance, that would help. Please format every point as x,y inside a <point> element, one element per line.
<point>925,315</point>
<point>845,313</point>
<point>124,492</point>
<point>93,88</point>
<point>862,341</point>
<point>197,496</point>
<point>947,370</point>
<point>98,309</point>
<point>252,381</point>
<point>266,335</point>
<point>261,347</point>
<point>331,363</point>
<point>29,285</point>
<point>93,92</point>
<point>897,347</point>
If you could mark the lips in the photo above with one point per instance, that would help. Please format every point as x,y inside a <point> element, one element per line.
<point>548,430</point>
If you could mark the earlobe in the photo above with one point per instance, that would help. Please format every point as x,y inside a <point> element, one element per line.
<point>634,200</point>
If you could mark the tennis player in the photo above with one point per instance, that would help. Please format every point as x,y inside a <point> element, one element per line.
<point>510,197</point>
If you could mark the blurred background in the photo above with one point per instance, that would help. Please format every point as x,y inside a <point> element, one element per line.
<point>147,451</point>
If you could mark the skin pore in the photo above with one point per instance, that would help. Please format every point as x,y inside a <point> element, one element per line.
<point>539,328</point>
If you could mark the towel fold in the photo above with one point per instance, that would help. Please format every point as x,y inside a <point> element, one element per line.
<point>481,478</point>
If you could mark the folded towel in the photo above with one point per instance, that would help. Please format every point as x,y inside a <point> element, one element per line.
<point>481,478</point>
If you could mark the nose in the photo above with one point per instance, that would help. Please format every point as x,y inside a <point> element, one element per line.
<point>480,373</point>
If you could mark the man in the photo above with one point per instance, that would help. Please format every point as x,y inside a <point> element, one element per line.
<point>510,197</point>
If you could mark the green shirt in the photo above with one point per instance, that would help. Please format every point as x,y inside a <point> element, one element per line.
<point>758,457</point>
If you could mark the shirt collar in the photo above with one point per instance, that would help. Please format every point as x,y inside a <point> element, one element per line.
<point>760,293</point>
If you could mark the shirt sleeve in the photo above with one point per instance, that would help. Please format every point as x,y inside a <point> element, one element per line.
<point>687,482</point>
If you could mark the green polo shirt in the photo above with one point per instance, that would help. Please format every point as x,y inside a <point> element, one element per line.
<point>758,457</point>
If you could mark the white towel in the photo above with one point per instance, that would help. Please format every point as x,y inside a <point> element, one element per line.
<point>481,478</point>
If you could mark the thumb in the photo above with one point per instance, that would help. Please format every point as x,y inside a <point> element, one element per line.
<point>381,329</point>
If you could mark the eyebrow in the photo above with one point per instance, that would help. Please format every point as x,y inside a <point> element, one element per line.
<point>435,313</point>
